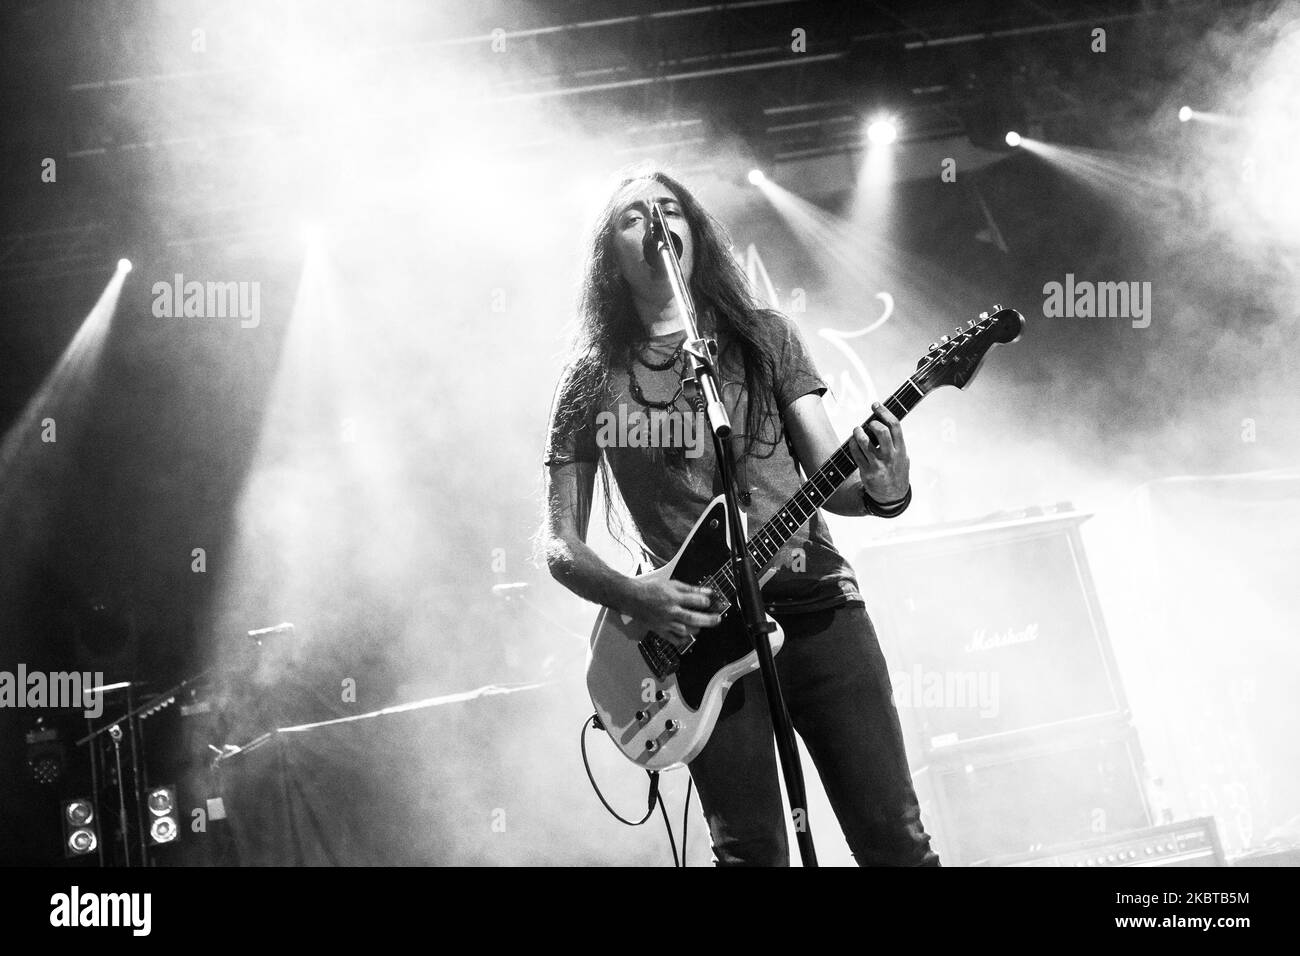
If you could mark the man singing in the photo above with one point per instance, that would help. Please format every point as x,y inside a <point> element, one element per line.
<point>628,357</point>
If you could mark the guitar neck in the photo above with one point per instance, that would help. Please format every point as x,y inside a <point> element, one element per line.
<point>824,482</point>
<point>812,494</point>
<point>950,361</point>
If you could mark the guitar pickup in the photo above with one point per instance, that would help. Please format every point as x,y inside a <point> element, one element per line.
<point>660,655</point>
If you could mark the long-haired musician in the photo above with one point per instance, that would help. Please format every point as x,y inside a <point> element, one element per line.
<point>627,361</point>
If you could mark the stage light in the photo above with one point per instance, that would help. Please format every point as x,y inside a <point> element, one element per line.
<point>165,825</point>
<point>162,830</point>
<point>79,829</point>
<point>756,177</point>
<point>1184,114</point>
<point>882,132</point>
<point>79,812</point>
<point>1013,138</point>
<point>81,842</point>
<point>160,802</point>
<point>124,265</point>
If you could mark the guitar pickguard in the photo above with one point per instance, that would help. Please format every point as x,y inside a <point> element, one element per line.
<point>714,647</point>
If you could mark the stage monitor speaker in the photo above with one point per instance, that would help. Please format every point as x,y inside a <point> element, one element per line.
<point>1085,784</point>
<point>991,631</point>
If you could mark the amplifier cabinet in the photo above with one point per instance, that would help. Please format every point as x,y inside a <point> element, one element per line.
<point>991,631</point>
<point>1082,783</point>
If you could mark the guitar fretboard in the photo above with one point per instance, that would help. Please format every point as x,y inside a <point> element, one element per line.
<point>812,494</point>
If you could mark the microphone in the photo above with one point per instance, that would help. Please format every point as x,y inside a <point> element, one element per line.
<point>650,244</point>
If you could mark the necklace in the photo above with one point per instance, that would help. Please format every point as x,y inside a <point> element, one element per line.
<point>634,386</point>
<point>667,364</point>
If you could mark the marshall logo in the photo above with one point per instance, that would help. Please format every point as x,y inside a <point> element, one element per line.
<point>982,640</point>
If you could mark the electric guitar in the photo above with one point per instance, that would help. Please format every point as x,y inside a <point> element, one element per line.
<point>659,699</point>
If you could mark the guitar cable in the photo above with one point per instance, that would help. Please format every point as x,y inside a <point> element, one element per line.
<point>653,797</point>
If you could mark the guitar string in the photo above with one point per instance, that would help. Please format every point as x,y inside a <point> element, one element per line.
<point>842,458</point>
<point>724,572</point>
<point>765,533</point>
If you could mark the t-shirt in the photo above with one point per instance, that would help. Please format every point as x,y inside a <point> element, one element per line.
<point>662,459</point>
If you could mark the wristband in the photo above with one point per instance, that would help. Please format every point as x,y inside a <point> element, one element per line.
<point>886,509</point>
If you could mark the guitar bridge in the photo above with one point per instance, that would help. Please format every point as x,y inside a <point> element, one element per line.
<point>660,654</point>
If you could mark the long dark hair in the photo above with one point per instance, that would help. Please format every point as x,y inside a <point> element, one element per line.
<point>608,325</point>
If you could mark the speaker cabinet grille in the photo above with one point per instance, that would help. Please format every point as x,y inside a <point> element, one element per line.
<point>1026,799</point>
<point>991,631</point>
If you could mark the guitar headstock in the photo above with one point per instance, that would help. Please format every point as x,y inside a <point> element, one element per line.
<point>955,359</point>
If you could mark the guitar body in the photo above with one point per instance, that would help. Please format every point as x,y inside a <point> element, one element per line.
<point>659,705</point>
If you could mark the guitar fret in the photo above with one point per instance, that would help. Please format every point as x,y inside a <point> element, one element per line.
<point>820,486</point>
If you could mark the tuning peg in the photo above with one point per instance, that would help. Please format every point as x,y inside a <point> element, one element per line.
<point>984,315</point>
<point>933,346</point>
<point>997,308</point>
<point>943,339</point>
<point>970,324</point>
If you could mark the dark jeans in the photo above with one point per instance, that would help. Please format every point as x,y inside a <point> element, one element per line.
<point>837,690</point>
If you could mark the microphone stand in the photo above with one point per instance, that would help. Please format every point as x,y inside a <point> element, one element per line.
<point>702,389</point>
